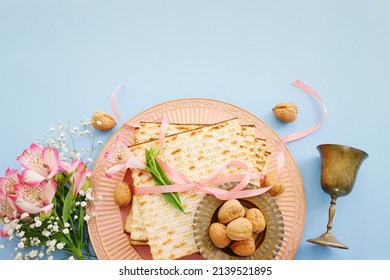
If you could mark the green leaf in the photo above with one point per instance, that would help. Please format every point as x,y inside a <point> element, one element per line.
<point>160,178</point>
<point>88,183</point>
<point>68,204</point>
<point>80,227</point>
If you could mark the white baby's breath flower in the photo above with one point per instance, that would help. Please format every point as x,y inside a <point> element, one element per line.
<point>50,258</point>
<point>21,245</point>
<point>46,233</point>
<point>75,217</point>
<point>87,218</point>
<point>83,204</point>
<point>65,231</point>
<point>24,215</point>
<point>33,254</point>
<point>51,243</point>
<point>89,196</point>
<point>71,258</point>
<point>60,246</point>
<point>35,241</point>
<point>19,256</point>
<point>81,192</point>
<point>52,129</point>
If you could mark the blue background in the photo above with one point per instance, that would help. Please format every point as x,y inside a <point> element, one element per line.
<point>60,60</point>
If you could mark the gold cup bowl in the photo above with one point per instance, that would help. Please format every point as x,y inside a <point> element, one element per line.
<point>339,167</point>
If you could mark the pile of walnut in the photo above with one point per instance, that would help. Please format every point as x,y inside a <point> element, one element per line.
<point>236,226</point>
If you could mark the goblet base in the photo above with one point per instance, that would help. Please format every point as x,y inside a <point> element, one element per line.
<point>329,240</point>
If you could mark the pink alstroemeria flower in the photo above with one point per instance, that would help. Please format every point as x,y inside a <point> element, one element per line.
<point>11,179</point>
<point>7,206</point>
<point>118,155</point>
<point>39,164</point>
<point>80,176</point>
<point>35,199</point>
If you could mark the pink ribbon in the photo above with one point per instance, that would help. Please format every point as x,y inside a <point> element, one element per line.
<point>113,103</point>
<point>182,184</point>
<point>280,157</point>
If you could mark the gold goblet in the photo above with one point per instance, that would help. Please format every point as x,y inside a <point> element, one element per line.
<point>339,167</point>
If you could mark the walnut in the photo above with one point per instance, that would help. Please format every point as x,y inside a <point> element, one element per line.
<point>244,248</point>
<point>103,121</point>
<point>286,111</point>
<point>122,194</point>
<point>218,235</point>
<point>239,229</point>
<point>277,187</point>
<point>256,217</point>
<point>230,210</point>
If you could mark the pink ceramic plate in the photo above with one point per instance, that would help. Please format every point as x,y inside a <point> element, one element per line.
<point>106,229</point>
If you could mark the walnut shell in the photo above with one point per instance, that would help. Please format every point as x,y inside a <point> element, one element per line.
<point>239,229</point>
<point>277,188</point>
<point>244,248</point>
<point>285,111</point>
<point>230,210</point>
<point>122,194</point>
<point>103,121</point>
<point>256,217</point>
<point>218,235</point>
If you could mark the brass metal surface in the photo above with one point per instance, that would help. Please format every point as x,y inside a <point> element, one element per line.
<point>339,167</point>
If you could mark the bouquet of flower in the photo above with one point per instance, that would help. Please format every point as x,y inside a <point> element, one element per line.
<point>44,205</point>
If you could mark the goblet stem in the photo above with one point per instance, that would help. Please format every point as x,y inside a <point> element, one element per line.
<point>332,211</point>
<point>328,239</point>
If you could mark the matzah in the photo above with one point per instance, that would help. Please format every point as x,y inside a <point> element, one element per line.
<point>150,130</point>
<point>194,153</point>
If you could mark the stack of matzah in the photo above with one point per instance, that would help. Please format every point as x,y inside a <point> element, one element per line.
<point>195,150</point>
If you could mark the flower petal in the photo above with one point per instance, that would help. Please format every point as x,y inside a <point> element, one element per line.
<point>46,209</point>
<point>25,206</point>
<point>115,168</point>
<point>8,228</point>
<point>31,177</point>
<point>49,190</point>
<point>30,155</point>
<point>7,206</point>
<point>50,157</point>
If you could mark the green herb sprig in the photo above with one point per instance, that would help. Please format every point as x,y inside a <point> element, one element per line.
<point>160,178</point>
